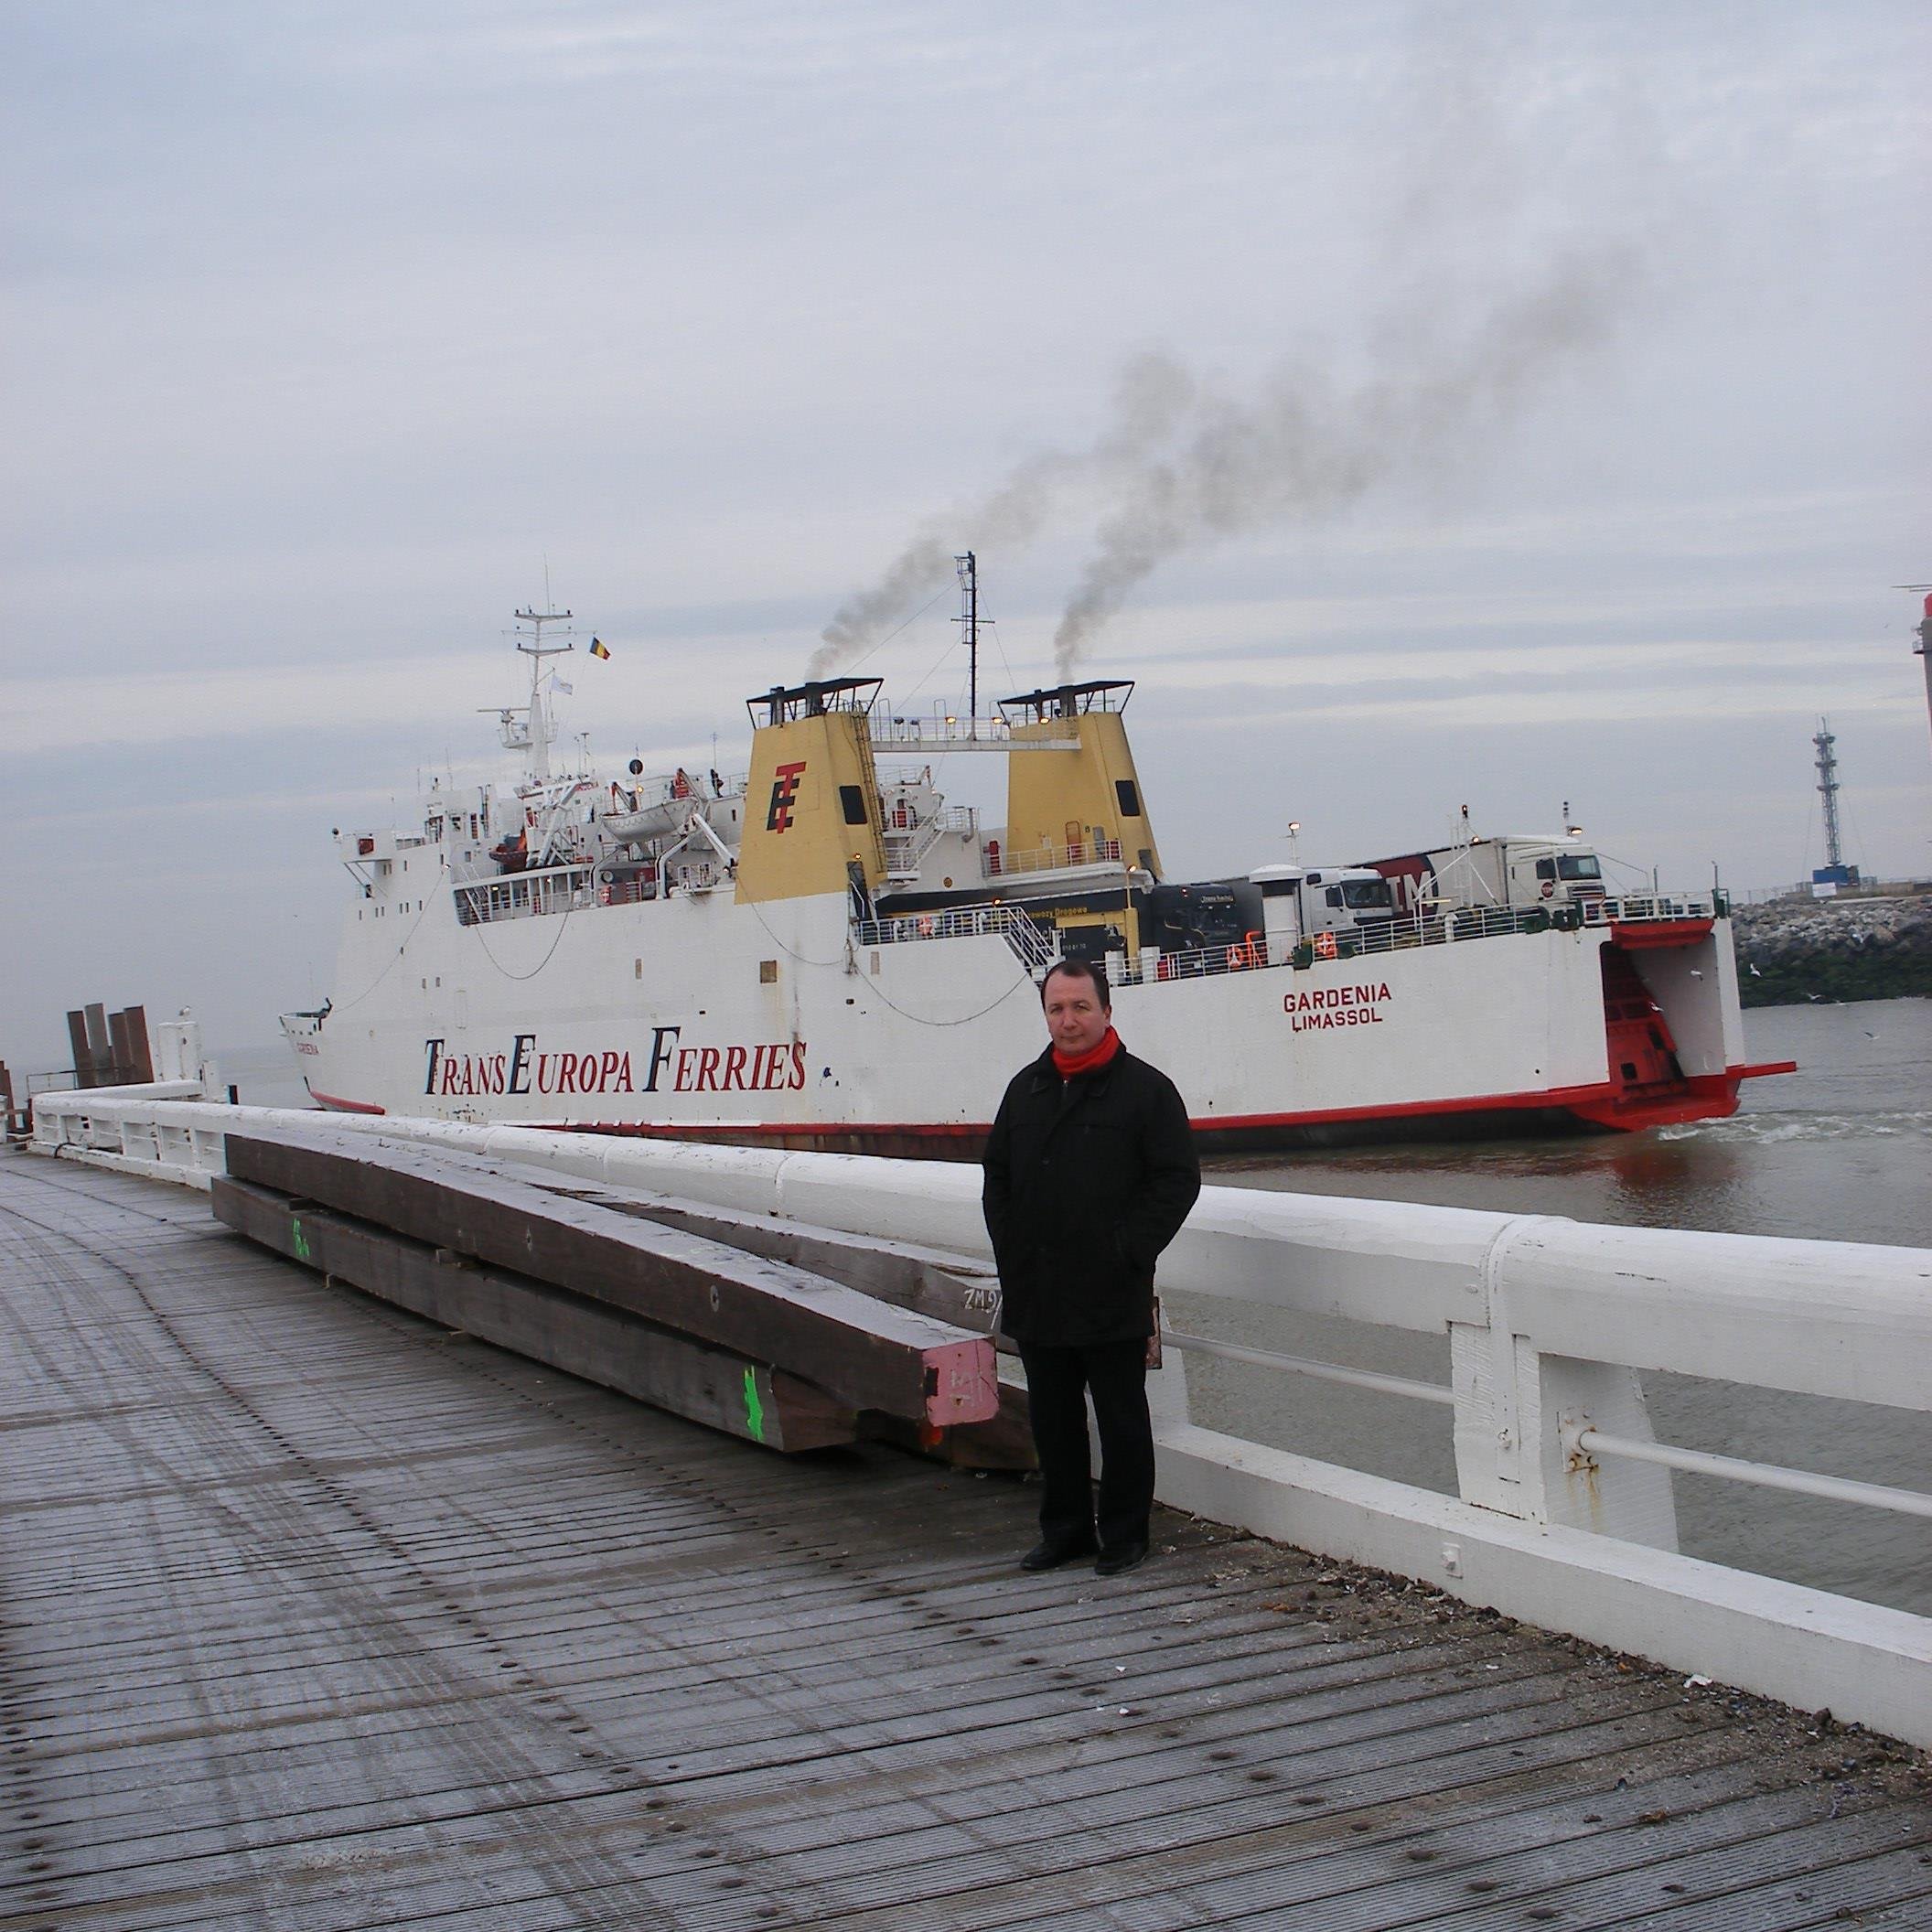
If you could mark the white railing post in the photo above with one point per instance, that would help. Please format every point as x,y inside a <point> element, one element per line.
<point>1518,1412</point>
<point>1632,1500</point>
<point>1489,1381</point>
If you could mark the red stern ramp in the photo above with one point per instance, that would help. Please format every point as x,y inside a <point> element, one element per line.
<point>1665,1046</point>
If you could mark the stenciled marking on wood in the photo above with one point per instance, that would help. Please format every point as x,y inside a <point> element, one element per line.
<point>297,1239</point>
<point>753,1408</point>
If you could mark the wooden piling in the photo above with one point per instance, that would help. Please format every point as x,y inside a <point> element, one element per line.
<point>78,1045</point>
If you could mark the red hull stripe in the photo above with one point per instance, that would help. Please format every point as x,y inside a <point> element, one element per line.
<point>1702,1097</point>
<point>335,1104</point>
<point>1665,932</point>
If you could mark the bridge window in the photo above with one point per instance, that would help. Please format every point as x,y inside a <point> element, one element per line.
<point>853,798</point>
<point>1128,793</point>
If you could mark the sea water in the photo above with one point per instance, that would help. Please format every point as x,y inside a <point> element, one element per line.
<point>1839,1151</point>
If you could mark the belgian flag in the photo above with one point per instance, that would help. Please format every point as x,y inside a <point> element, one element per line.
<point>597,648</point>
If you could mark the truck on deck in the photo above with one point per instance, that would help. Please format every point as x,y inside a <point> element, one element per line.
<point>1520,870</point>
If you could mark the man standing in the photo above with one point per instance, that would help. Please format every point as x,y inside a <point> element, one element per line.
<point>1090,1170</point>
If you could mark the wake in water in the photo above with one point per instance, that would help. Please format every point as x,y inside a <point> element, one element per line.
<point>1767,1128</point>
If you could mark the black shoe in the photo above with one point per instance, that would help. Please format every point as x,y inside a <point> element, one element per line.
<point>1050,1556</point>
<point>1121,1559</point>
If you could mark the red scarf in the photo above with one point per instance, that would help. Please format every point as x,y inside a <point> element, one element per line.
<point>1091,1061</point>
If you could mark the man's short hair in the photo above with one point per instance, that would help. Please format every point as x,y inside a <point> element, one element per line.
<point>1080,969</point>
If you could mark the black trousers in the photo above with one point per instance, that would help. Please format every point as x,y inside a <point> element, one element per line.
<point>1057,1383</point>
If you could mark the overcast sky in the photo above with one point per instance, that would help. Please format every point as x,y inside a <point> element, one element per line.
<point>1427,404</point>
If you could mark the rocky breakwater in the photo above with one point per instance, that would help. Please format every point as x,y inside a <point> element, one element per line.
<point>1849,948</point>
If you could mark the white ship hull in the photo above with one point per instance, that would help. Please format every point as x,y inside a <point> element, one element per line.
<point>697,1017</point>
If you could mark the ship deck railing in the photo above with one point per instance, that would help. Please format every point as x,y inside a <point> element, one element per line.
<point>1031,940</point>
<point>526,895</point>
<point>911,836</point>
<point>1004,862</point>
<point>551,889</point>
<point>1636,908</point>
<point>1458,926</point>
<point>958,734</point>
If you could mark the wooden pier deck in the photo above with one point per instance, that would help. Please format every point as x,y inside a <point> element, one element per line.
<point>314,1616</point>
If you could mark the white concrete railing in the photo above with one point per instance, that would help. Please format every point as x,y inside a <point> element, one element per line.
<point>1563,1515</point>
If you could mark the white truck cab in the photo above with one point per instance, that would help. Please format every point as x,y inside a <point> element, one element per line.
<point>1301,902</point>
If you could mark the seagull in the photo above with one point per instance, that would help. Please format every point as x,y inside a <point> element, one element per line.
<point>1755,974</point>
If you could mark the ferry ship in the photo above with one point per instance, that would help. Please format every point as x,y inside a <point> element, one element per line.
<point>823,953</point>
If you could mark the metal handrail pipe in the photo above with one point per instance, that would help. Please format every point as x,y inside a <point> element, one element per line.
<point>1766,1475</point>
<point>1402,1385</point>
<point>530,875</point>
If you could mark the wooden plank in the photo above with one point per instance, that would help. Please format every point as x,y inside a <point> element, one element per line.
<point>865,1353</point>
<point>100,1046</point>
<point>601,1344</point>
<point>121,1044</point>
<point>951,1288</point>
<point>140,1049</point>
<point>77,1045</point>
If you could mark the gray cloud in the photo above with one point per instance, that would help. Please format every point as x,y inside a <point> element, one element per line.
<point>1180,464</point>
<point>1298,450</point>
<point>1153,398</point>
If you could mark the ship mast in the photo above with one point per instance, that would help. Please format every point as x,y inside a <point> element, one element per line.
<point>967,565</point>
<point>536,651</point>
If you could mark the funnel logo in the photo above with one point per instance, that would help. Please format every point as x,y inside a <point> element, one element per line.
<point>784,796</point>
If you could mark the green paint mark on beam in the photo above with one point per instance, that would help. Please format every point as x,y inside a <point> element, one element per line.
<point>299,1240</point>
<point>753,1408</point>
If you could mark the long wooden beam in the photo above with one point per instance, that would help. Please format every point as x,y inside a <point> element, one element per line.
<point>602,1343</point>
<point>864,1353</point>
<point>957,1288</point>
<point>951,1288</point>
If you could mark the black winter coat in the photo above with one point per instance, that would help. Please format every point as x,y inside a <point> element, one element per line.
<point>1086,1180</point>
